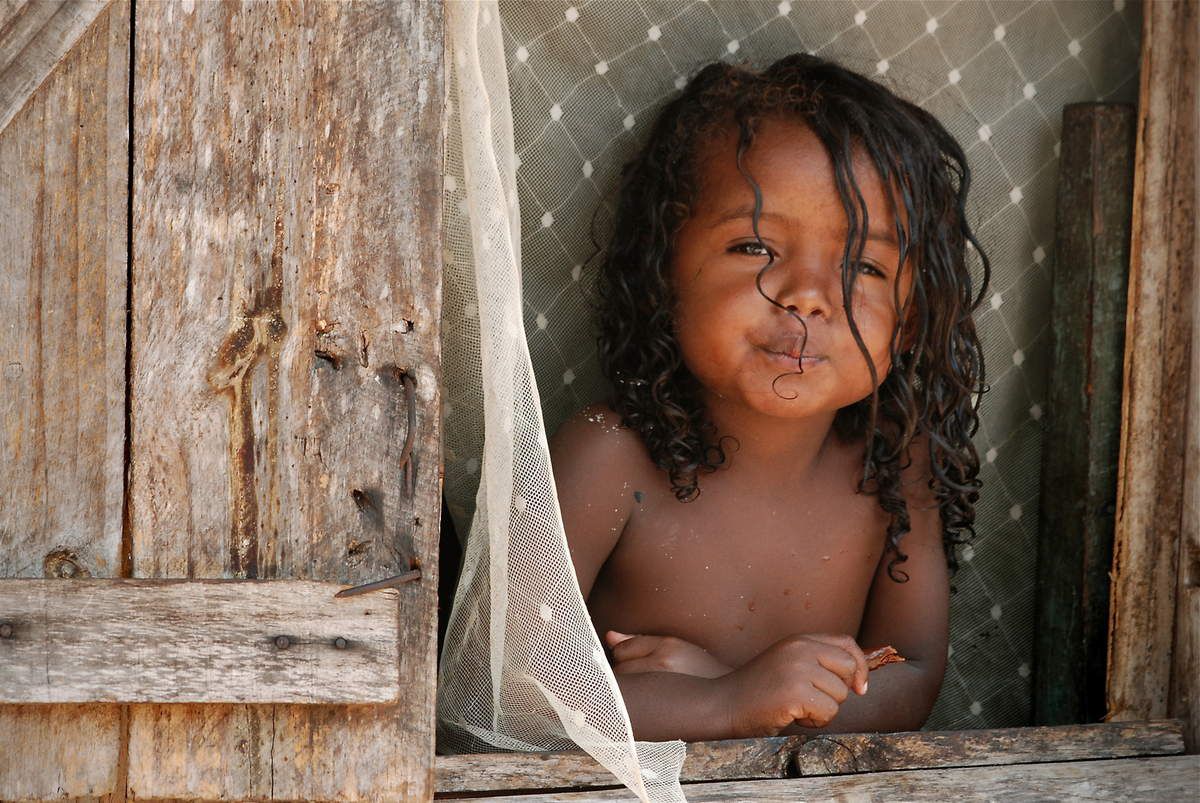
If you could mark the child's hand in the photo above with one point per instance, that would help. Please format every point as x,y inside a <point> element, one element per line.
<point>801,679</point>
<point>633,654</point>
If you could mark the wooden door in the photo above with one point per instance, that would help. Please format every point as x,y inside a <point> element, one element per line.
<point>221,271</point>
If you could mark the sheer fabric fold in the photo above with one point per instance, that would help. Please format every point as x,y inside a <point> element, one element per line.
<point>522,667</point>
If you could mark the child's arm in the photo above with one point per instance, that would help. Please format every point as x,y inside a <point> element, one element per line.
<point>594,461</point>
<point>596,464</point>
<point>641,653</point>
<point>913,617</point>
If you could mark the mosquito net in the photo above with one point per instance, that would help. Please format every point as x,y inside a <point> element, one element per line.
<point>548,100</point>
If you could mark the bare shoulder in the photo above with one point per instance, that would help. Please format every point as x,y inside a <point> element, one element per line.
<point>595,438</point>
<point>597,463</point>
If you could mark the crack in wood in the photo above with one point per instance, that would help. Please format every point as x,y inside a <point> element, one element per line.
<point>256,336</point>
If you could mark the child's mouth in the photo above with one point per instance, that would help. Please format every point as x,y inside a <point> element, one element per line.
<point>803,361</point>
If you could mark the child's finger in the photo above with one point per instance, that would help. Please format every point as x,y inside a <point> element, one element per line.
<point>856,676</point>
<point>636,666</point>
<point>831,684</point>
<point>635,647</point>
<point>612,638</point>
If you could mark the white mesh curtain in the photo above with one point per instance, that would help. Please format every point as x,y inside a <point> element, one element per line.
<point>522,668</point>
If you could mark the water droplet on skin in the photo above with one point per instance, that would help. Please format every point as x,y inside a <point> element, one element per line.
<point>824,557</point>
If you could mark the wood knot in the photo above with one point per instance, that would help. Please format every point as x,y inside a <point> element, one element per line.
<point>64,563</point>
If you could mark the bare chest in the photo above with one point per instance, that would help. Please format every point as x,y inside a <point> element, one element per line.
<point>734,575</point>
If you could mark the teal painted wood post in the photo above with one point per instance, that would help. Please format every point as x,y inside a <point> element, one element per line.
<point>1083,422</point>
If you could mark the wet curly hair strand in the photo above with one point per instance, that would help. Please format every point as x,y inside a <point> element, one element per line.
<point>937,374</point>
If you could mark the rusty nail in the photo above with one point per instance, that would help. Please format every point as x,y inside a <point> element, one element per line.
<point>68,569</point>
<point>6,630</point>
<point>283,642</point>
<point>407,577</point>
<point>340,643</point>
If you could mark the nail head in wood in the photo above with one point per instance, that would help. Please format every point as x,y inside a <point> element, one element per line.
<point>283,642</point>
<point>6,630</point>
<point>340,643</point>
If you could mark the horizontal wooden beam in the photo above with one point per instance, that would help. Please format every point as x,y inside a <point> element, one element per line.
<point>842,753</point>
<point>779,756</point>
<point>1159,778</point>
<point>195,641</point>
<point>731,759</point>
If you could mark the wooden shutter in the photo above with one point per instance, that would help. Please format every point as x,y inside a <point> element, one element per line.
<point>192,502</point>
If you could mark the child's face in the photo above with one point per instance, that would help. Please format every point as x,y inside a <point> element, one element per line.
<point>735,341</point>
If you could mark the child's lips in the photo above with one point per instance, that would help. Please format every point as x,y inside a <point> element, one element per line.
<point>793,359</point>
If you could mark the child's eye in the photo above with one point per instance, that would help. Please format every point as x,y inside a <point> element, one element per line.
<point>870,270</point>
<point>751,248</point>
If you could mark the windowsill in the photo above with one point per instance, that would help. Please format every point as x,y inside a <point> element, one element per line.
<point>782,757</point>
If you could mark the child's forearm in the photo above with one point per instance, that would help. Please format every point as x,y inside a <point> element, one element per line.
<point>899,698</point>
<point>665,705</point>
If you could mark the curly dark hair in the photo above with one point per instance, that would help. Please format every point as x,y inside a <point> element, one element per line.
<point>933,386</point>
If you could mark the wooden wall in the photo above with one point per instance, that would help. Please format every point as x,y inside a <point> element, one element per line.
<point>268,234</point>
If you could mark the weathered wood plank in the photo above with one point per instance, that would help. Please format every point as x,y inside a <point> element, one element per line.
<point>1185,657</point>
<point>874,752</point>
<point>34,37</point>
<point>1146,571</point>
<point>63,263</point>
<point>287,276</point>
<point>195,641</point>
<point>1079,474</point>
<point>780,757</point>
<point>1167,778</point>
<point>706,761</point>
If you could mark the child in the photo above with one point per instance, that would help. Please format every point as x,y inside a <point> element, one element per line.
<point>786,322</point>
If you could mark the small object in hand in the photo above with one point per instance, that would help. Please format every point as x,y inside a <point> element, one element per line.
<point>882,656</point>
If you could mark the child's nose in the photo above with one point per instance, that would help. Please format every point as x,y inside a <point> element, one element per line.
<point>808,291</point>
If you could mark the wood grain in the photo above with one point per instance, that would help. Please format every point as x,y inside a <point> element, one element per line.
<point>705,761</point>
<point>1146,584</point>
<point>63,265</point>
<point>1185,657</point>
<point>1079,474</point>
<point>1167,778</point>
<point>195,641</point>
<point>874,752</point>
<point>34,38</point>
<point>286,273</point>
<point>779,757</point>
